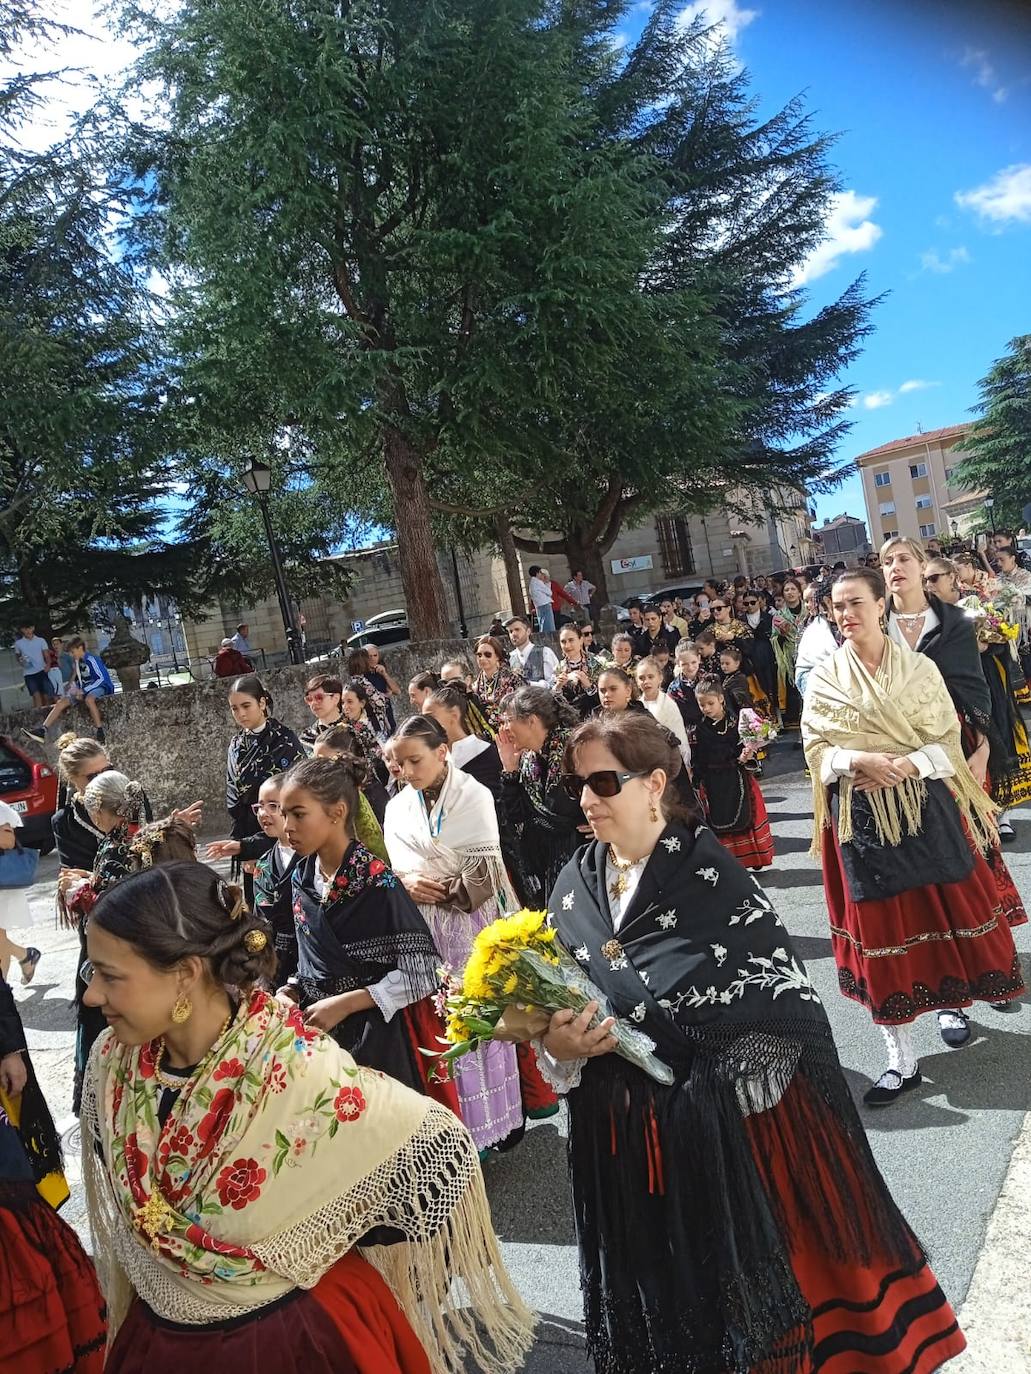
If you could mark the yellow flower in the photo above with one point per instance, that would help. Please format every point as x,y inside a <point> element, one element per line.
<point>511,983</point>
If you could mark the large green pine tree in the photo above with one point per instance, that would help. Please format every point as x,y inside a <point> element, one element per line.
<point>997,449</point>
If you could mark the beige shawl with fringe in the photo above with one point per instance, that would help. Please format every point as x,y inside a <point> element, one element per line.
<point>279,1156</point>
<point>899,709</point>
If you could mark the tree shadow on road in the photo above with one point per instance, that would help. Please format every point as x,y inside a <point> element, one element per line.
<point>40,1012</point>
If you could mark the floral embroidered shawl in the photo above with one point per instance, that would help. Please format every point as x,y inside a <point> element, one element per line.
<point>895,711</point>
<point>276,1158</point>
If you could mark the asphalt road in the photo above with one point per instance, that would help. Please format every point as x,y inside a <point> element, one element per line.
<point>944,1148</point>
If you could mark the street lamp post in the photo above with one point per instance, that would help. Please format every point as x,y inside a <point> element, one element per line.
<point>458,595</point>
<point>989,505</point>
<point>257,479</point>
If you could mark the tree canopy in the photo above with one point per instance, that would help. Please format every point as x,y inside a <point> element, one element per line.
<point>483,266</point>
<point>997,448</point>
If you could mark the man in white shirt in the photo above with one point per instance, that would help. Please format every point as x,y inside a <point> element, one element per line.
<point>581,591</point>
<point>31,652</point>
<point>540,596</point>
<point>239,640</point>
<point>536,662</point>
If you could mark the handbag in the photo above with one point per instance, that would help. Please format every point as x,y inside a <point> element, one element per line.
<point>938,854</point>
<point>18,867</point>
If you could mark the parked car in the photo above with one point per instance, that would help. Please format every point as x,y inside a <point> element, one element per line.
<point>31,789</point>
<point>380,635</point>
<point>395,617</point>
<point>685,592</point>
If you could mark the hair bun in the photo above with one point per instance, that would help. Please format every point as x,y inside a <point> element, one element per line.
<point>68,738</point>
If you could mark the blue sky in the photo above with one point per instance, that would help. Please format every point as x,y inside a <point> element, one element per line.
<point>933,106</point>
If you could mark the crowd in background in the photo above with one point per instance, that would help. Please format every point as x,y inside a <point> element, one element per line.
<point>374,846</point>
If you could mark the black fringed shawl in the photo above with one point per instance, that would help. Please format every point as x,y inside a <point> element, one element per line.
<point>36,1130</point>
<point>685,1238</point>
<point>252,760</point>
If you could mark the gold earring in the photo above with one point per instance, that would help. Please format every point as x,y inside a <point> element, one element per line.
<point>653,814</point>
<point>183,1010</point>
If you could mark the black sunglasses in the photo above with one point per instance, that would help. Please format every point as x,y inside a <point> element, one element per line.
<point>716,606</point>
<point>605,783</point>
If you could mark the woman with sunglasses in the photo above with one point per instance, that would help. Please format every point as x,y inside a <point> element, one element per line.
<point>734,1219</point>
<point>758,622</point>
<point>537,724</point>
<point>495,679</point>
<point>322,695</point>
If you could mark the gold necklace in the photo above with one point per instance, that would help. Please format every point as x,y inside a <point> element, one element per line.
<point>166,1080</point>
<point>621,881</point>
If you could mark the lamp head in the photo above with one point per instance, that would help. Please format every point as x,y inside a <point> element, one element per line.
<point>256,477</point>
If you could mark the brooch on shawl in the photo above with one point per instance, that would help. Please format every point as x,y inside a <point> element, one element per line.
<point>154,1216</point>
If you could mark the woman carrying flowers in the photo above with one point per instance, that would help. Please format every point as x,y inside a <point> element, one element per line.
<point>235,1157</point>
<point>788,623</point>
<point>443,840</point>
<point>735,1219</point>
<point>366,964</point>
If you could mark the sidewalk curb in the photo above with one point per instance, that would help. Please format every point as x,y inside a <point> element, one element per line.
<point>996,1317</point>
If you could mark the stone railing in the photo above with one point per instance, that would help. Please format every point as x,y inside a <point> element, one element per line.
<point>174,739</point>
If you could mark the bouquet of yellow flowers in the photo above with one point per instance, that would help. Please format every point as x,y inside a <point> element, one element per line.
<point>516,977</point>
<point>993,624</point>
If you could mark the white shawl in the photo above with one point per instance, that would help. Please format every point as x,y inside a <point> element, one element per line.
<point>458,834</point>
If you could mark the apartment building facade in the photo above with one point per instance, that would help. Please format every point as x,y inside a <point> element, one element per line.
<point>910,487</point>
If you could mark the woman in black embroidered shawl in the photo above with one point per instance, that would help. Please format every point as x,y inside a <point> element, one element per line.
<point>264,746</point>
<point>734,1222</point>
<point>366,962</point>
<point>533,805</point>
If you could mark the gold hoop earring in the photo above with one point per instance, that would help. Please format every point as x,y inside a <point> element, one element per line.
<point>183,1010</point>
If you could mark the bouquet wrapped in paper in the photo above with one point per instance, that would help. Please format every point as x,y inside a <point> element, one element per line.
<point>993,624</point>
<point>516,978</point>
<point>755,729</point>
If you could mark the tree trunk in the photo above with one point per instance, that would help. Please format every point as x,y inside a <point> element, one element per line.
<point>588,556</point>
<point>35,602</point>
<point>420,575</point>
<point>513,572</point>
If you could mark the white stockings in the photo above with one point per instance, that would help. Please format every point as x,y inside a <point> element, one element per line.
<point>901,1055</point>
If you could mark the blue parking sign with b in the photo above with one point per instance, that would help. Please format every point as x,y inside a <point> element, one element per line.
<point>357,626</point>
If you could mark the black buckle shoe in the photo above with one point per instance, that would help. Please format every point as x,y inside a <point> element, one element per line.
<point>954,1036</point>
<point>890,1086</point>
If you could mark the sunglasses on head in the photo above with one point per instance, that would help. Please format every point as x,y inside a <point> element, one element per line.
<point>605,783</point>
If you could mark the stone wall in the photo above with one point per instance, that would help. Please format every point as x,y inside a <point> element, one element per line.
<point>174,739</point>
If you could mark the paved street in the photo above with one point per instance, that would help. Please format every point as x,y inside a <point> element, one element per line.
<point>945,1149</point>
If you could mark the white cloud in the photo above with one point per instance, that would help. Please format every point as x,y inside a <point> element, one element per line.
<point>1005,197</point>
<point>848,230</point>
<point>932,260</point>
<point>984,71</point>
<point>877,400</point>
<point>726,19</point>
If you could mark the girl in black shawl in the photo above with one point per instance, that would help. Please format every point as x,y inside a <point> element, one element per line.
<point>366,962</point>
<point>51,1310</point>
<point>533,804</point>
<point>735,1221</point>
<point>264,746</point>
<point>734,804</point>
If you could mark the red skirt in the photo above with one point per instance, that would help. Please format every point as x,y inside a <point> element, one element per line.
<point>423,1027</point>
<point>753,848</point>
<point>1005,888</point>
<point>945,945</point>
<point>539,1101</point>
<point>868,1317</point>
<point>349,1323</point>
<point>52,1315</point>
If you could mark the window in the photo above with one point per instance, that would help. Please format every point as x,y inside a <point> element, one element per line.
<point>674,545</point>
<point>887,508</point>
<point>882,479</point>
<point>923,503</point>
<point>891,534</point>
<point>926,531</point>
<point>918,469</point>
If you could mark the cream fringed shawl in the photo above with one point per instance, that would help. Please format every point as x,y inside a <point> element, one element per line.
<point>901,708</point>
<point>276,1159</point>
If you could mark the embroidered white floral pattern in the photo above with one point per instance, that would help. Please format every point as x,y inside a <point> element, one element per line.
<point>710,875</point>
<point>567,902</point>
<point>672,844</point>
<point>668,920</point>
<point>779,973</point>
<point>719,954</point>
<point>638,1012</point>
<point>583,954</point>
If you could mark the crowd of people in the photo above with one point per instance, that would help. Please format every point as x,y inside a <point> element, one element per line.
<point>271,1155</point>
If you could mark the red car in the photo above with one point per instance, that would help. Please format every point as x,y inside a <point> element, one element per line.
<point>31,788</point>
